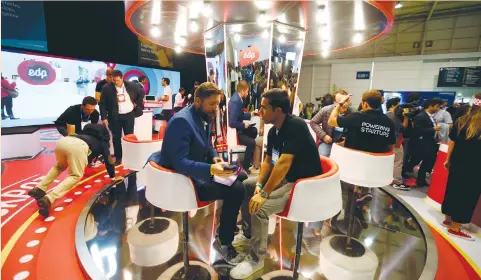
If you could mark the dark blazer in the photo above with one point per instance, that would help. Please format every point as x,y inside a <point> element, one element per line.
<point>187,146</point>
<point>236,112</point>
<point>424,132</point>
<point>109,107</point>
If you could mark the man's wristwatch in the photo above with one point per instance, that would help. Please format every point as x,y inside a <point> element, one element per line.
<point>264,194</point>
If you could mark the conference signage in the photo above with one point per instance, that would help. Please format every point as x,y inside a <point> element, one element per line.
<point>363,75</point>
<point>249,56</point>
<point>459,77</point>
<point>36,72</point>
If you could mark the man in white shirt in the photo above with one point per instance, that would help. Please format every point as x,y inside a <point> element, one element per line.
<point>120,104</point>
<point>166,99</point>
<point>179,100</point>
<point>445,121</point>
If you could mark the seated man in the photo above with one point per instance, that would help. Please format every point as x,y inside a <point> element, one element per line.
<point>77,116</point>
<point>291,155</point>
<point>368,130</point>
<point>73,151</point>
<point>187,149</point>
<point>246,134</point>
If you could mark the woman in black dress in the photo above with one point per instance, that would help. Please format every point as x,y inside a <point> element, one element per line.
<point>464,187</point>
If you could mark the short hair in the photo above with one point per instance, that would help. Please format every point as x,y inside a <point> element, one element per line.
<point>278,98</point>
<point>329,97</point>
<point>413,96</point>
<point>181,89</point>
<point>392,102</point>
<point>196,83</point>
<point>433,102</point>
<point>242,85</point>
<point>339,91</point>
<point>89,100</point>
<point>142,78</point>
<point>117,73</point>
<point>108,72</point>
<point>373,98</point>
<point>206,90</point>
<point>167,80</point>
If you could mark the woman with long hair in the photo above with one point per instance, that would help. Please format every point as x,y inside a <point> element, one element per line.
<point>463,188</point>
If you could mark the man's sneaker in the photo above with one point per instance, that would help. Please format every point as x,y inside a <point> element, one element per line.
<point>460,234</point>
<point>241,240</point>
<point>36,193</point>
<point>246,268</point>
<point>44,206</point>
<point>401,187</point>
<point>228,253</point>
<point>446,224</point>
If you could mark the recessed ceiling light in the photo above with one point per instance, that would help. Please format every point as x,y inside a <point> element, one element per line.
<point>357,38</point>
<point>263,5</point>
<point>155,31</point>
<point>299,44</point>
<point>208,44</point>
<point>178,49</point>
<point>325,53</point>
<point>262,19</point>
<point>282,39</point>
<point>237,37</point>
<point>207,10</point>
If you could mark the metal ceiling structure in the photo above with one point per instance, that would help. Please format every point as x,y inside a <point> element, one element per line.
<point>168,23</point>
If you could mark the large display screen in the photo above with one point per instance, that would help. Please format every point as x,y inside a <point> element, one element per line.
<point>48,85</point>
<point>23,25</point>
<point>460,77</point>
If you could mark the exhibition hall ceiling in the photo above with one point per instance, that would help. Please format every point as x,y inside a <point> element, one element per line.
<point>331,26</point>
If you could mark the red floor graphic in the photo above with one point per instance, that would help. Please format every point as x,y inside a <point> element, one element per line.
<point>31,243</point>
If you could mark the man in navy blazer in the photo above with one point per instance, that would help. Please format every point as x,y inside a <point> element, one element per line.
<point>236,118</point>
<point>187,149</point>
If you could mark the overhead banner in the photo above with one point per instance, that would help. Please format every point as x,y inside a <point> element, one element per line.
<point>155,55</point>
<point>23,25</point>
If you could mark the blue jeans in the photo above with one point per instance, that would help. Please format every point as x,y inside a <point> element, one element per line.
<point>325,149</point>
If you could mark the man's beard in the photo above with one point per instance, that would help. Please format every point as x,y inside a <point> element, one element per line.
<point>208,118</point>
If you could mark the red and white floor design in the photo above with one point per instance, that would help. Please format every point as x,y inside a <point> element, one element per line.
<point>34,247</point>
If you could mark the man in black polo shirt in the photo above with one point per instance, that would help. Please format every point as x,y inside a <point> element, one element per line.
<point>368,130</point>
<point>77,116</point>
<point>291,155</point>
<point>101,84</point>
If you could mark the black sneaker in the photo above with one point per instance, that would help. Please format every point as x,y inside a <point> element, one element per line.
<point>36,193</point>
<point>401,187</point>
<point>228,253</point>
<point>44,206</point>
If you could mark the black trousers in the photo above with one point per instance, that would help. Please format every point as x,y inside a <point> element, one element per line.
<point>7,103</point>
<point>232,200</point>
<point>250,144</point>
<point>428,158</point>
<point>125,123</point>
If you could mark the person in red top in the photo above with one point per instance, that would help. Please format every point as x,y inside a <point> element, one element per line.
<point>7,99</point>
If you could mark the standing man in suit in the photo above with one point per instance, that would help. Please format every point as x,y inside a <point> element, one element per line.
<point>187,149</point>
<point>425,140</point>
<point>120,104</point>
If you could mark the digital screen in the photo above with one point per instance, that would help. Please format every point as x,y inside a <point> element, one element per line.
<point>23,25</point>
<point>460,77</point>
<point>47,86</point>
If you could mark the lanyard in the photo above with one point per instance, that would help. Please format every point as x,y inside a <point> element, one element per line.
<point>82,115</point>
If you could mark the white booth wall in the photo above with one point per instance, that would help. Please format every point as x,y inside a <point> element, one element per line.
<point>407,73</point>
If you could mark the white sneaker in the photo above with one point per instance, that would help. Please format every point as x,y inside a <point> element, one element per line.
<point>241,240</point>
<point>246,268</point>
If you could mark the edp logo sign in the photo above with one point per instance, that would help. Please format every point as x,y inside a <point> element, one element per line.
<point>36,72</point>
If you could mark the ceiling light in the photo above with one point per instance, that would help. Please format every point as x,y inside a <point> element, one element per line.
<point>155,14</point>
<point>155,31</point>
<point>207,9</point>
<point>299,44</point>
<point>282,39</point>
<point>208,44</point>
<point>263,5</point>
<point>358,15</point>
<point>237,28</point>
<point>398,5</point>
<point>282,18</point>
<point>262,19</point>
<point>325,53</point>
<point>357,38</point>
<point>237,37</point>
<point>265,33</point>
<point>178,49</point>
<point>194,27</point>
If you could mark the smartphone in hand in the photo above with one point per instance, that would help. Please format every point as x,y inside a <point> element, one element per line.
<point>230,167</point>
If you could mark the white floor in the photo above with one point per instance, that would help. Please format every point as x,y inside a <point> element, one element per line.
<point>471,250</point>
